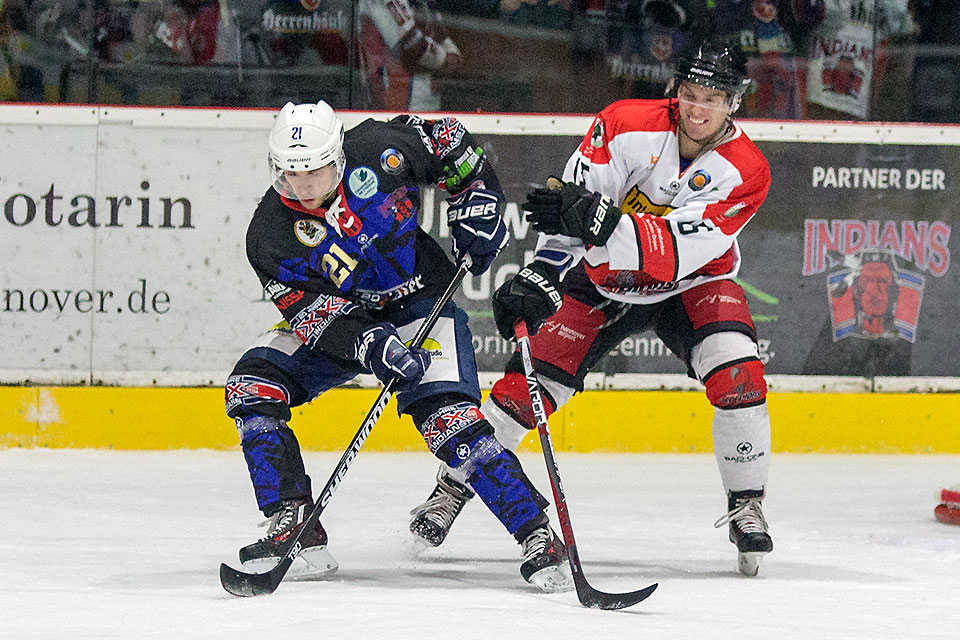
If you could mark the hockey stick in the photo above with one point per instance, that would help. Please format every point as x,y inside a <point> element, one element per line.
<point>240,583</point>
<point>589,597</point>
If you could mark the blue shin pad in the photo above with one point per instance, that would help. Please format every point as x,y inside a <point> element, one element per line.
<point>499,480</point>
<point>273,460</point>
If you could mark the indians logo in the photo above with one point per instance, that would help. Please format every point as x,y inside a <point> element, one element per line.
<point>872,297</point>
<point>311,321</point>
<point>743,389</point>
<point>874,273</point>
<point>843,78</point>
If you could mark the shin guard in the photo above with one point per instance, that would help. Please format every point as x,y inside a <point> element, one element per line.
<point>460,436</point>
<point>273,458</point>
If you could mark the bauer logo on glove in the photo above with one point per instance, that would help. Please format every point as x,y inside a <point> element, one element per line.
<point>567,209</point>
<point>476,227</point>
<point>475,202</point>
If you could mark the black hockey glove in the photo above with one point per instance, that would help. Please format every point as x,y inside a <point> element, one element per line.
<point>384,354</point>
<point>476,226</point>
<point>570,210</point>
<point>532,295</point>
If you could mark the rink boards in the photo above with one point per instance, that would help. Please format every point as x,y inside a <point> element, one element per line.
<point>594,421</point>
<point>123,269</point>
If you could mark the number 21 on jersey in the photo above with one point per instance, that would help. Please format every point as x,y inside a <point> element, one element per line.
<point>337,265</point>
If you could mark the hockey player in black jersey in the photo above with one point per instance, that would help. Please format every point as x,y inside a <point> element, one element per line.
<point>337,247</point>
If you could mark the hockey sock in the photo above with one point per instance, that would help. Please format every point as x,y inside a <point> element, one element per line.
<point>273,458</point>
<point>741,444</point>
<point>508,431</point>
<point>503,486</point>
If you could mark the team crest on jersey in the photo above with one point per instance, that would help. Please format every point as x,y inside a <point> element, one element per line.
<point>699,180</point>
<point>638,202</point>
<point>596,134</point>
<point>392,161</point>
<point>363,182</point>
<point>309,231</point>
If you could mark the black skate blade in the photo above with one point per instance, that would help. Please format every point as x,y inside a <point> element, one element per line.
<point>247,585</point>
<point>593,599</point>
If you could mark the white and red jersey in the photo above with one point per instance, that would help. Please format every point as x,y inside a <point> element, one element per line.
<point>679,228</point>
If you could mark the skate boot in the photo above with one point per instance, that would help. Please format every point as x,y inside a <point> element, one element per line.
<point>545,563</point>
<point>312,562</point>
<point>432,520</point>
<point>748,529</point>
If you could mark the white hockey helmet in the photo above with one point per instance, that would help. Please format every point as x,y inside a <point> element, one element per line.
<point>306,137</point>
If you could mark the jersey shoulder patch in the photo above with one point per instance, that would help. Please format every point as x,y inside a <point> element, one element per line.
<point>623,116</point>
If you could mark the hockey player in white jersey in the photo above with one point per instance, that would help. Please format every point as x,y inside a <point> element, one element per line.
<point>642,234</point>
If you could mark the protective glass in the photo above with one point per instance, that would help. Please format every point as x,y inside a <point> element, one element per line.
<point>307,185</point>
<point>715,101</point>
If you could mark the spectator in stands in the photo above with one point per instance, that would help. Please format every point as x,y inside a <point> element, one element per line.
<point>550,14</point>
<point>851,57</point>
<point>401,47</point>
<point>189,29</point>
<point>308,33</point>
<point>766,31</point>
<point>21,78</point>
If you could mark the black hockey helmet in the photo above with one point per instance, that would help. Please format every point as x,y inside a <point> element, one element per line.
<point>713,64</point>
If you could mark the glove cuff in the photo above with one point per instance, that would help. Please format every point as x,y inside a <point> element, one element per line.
<point>602,221</point>
<point>545,279</point>
<point>548,271</point>
<point>369,337</point>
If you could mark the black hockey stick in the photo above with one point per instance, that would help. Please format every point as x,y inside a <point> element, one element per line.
<point>240,583</point>
<point>589,597</point>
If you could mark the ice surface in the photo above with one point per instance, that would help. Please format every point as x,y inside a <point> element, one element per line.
<point>113,544</point>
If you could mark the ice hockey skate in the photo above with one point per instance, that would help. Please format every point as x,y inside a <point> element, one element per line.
<point>545,563</point>
<point>748,529</point>
<point>313,562</point>
<point>948,511</point>
<point>432,520</point>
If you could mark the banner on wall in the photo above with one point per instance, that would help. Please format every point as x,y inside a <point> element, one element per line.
<point>846,266</point>
<point>123,255</point>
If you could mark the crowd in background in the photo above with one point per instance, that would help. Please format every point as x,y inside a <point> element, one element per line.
<point>893,60</point>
